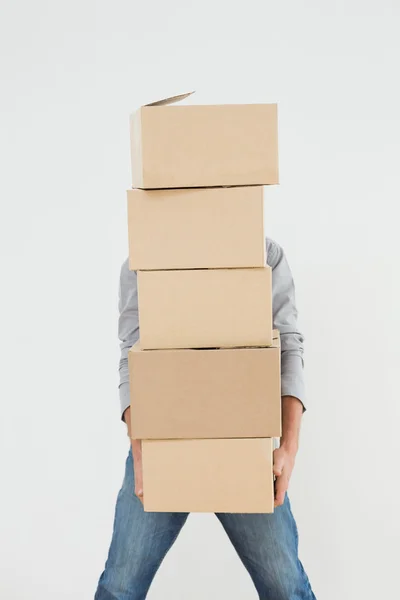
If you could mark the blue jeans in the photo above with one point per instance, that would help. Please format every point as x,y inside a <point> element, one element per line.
<point>266,543</point>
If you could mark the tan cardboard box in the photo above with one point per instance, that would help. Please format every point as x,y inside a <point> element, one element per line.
<point>196,228</point>
<point>218,475</point>
<point>224,393</point>
<point>204,146</point>
<point>205,308</point>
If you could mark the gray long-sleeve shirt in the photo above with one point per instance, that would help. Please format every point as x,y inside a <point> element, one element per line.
<point>284,318</point>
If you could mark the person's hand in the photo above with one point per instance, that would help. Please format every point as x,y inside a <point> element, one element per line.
<point>137,457</point>
<point>137,463</point>
<point>284,458</point>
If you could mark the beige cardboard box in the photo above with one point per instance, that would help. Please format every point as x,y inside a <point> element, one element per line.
<point>218,475</point>
<point>196,228</point>
<point>224,393</point>
<point>205,308</point>
<point>204,146</point>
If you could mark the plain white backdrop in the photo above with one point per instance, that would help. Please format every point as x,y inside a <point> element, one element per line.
<point>71,72</point>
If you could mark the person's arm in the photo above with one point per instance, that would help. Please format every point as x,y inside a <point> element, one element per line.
<point>285,455</point>
<point>128,333</point>
<point>128,329</point>
<point>292,367</point>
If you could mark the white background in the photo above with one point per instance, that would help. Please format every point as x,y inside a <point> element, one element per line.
<point>71,74</point>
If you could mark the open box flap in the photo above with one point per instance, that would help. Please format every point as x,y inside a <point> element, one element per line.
<point>170,100</point>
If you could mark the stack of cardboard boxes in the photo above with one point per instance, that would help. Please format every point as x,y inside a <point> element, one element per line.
<point>205,374</point>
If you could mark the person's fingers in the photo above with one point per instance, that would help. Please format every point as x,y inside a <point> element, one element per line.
<point>278,463</point>
<point>139,484</point>
<point>137,465</point>
<point>281,486</point>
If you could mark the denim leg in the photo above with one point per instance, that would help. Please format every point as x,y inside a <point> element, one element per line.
<point>267,544</point>
<point>139,543</point>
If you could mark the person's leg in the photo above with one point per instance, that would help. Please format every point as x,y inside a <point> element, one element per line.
<point>139,543</point>
<point>267,544</point>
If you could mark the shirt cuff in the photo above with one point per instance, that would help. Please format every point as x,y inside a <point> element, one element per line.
<point>124,397</point>
<point>292,380</point>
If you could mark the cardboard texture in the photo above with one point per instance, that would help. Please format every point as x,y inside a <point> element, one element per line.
<point>224,393</point>
<point>196,228</point>
<point>205,308</point>
<point>218,475</point>
<point>203,146</point>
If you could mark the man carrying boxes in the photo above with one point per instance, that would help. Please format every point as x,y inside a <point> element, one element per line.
<point>217,370</point>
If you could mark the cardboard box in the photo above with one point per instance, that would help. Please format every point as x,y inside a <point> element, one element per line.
<point>233,476</point>
<point>205,308</point>
<point>196,228</point>
<point>203,146</point>
<point>224,393</point>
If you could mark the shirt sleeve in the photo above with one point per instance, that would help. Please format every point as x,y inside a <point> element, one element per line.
<point>128,328</point>
<point>285,320</point>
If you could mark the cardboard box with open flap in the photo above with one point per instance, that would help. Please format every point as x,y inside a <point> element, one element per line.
<point>184,146</point>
